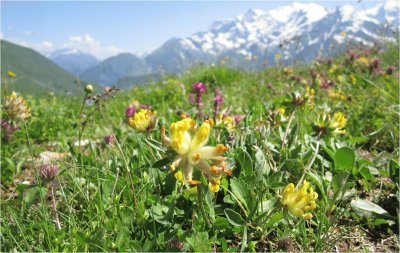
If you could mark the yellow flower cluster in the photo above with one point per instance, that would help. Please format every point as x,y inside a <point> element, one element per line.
<point>300,202</point>
<point>325,124</point>
<point>338,122</point>
<point>189,142</point>
<point>336,95</point>
<point>226,122</point>
<point>144,120</point>
<point>16,107</point>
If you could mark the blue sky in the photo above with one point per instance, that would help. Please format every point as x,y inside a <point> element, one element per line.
<point>108,27</point>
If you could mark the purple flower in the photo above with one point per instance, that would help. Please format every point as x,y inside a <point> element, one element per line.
<point>49,171</point>
<point>375,64</point>
<point>390,70</point>
<point>109,139</point>
<point>324,85</point>
<point>129,111</point>
<point>218,99</point>
<point>237,118</point>
<point>199,87</point>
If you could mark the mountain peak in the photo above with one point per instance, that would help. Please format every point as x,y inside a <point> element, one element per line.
<point>313,12</point>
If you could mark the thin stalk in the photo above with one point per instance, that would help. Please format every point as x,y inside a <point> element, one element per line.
<point>129,173</point>
<point>311,162</point>
<point>53,197</point>
<point>287,129</point>
<point>237,200</point>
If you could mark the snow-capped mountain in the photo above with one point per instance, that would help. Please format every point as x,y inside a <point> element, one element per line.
<point>73,60</point>
<point>299,31</point>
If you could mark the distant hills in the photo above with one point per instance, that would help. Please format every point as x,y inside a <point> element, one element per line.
<point>73,61</point>
<point>300,31</point>
<point>35,74</point>
<point>114,68</point>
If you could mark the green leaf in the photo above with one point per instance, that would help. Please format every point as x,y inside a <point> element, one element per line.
<point>366,208</point>
<point>245,161</point>
<point>244,239</point>
<point>242,192</point>
<point>261,165</point>
<point>344,159</point>
<point>233,217</point>
<point>221,223</point>
<point>275,218</point>
<point>199,242</point>
<point>122,240</point>
<point>210,204</point>
<point>161,163</point>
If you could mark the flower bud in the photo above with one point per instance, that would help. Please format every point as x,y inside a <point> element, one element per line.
<point>89,88</point>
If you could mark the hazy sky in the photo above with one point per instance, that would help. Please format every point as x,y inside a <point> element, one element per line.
<point>107,27</point>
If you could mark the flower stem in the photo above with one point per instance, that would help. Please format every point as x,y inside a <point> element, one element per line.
<point>129,173</point>
<point>287,129</point>
<point>53,198</point>
<point>201,206</point>
<point>306,169</point>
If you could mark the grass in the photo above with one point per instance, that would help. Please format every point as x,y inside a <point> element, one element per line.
<point>122,197</point>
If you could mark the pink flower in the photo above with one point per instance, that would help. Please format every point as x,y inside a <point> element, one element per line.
<point>49,171</point>
<point>109,139</point>
<point>129,111</point>
<point>199,87</point>
<point>237,118</point>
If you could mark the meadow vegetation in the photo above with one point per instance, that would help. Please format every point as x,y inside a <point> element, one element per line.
<point>290,158</point>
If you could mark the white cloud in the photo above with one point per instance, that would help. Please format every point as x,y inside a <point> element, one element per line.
<point>84,43</point>
<point>44,47</point>
<point>88,44</point>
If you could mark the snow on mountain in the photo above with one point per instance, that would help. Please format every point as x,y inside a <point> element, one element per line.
<point>297,31</point>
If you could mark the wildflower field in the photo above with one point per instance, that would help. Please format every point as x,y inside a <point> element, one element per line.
<point>291,158</point>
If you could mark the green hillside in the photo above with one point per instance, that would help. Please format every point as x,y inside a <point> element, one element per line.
<point>35,74</point>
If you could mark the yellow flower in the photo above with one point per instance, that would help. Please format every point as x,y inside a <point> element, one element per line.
<point>16,107</point>
<point>226,122</point>
<point>343,33</point>
<point>333,69</point>
<point>11,74</point>
<point>336,95</point>
<point>214,186</point>
<point>327,125</point>
<point>362,60</point>
<point>300,202</point>
<point>189,142</point>
<point>144,120</point>
<point>179,176</point>
<point>287,71</point>
<point>338,122</point>
<point>341,78</point>
<point>278,57</point>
